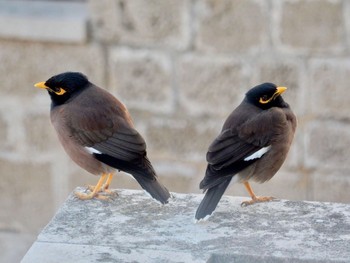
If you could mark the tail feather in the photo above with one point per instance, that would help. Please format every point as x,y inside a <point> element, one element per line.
<point>211,199</point>
<point>154,188</point>
<point>143,173</point>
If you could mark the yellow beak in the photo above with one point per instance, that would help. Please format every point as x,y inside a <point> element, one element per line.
<point>280,90</point>
<point>41,85</point>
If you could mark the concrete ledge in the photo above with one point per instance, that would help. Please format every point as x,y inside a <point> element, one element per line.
<point>44,21</point>
<point>133,227</point>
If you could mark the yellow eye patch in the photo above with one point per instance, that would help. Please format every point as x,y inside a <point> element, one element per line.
<point>279,91</point>
<point>60,92</point>
<point>264,100</point>
<point>41,85</point>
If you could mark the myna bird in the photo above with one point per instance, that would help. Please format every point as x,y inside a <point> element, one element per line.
<point>98,134</point>
<point>252,145</point>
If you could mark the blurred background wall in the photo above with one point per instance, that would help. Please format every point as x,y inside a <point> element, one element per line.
<point>180,66</point>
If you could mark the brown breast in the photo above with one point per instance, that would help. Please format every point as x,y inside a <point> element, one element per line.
<point>78,153</point>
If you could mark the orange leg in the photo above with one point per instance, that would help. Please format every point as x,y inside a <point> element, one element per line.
<point>105,186</point>
<point>255,199</point>
<point>108,181</point>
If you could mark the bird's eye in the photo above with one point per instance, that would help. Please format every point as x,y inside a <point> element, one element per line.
<point>59,91</point>
<point>264,99</point>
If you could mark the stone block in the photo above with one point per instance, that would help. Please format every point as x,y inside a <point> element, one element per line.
<point>104,18</point>
<point>210,85</point>
<point>328,86</point>
<point>181,139</point>
<point>24,64</point>
<point>43,21</point>
<point>12,134</point>
<point>3,132</point>
<point>40,134</point>
<point>327,145</point>
<point>142,22</point>
<point>27,189</point>
<point>331,186</point>
<point>142,79</point>
<point>134,228</point>
<point>231,26</point>
<point>312,25</point>
<point>295,157</point>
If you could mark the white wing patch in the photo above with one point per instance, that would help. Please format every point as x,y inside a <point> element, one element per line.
<point>92,150</point>
<point>258,154</point>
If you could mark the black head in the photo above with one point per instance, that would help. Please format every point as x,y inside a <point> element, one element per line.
<point>266,95</point>
<point>64,86</point>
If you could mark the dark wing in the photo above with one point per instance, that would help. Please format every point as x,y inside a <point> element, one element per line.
<point>225,158</point>
<point>106,131</point>
<point>124,144</point>
<point>226,155</point>
<point>106,127</point>
<point>227,149</point>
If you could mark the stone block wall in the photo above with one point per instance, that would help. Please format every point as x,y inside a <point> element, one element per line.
<point>180,67</point>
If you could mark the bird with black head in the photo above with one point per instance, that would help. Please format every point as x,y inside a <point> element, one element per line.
<point>97,132</point>
<point>252,146</point>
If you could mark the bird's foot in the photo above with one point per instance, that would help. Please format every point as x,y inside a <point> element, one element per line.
<point>104,190</point>
<point>100,190</point>
<point>258,199</point>
<point>84,196</point>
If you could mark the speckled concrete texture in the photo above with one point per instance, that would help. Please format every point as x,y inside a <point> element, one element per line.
<point>134,228</point>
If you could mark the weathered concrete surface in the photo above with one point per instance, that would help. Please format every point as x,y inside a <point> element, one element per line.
<point>134,228</point>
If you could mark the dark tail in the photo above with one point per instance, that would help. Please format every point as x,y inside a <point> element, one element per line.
<point>153,187</point>
<point>211,199</point>
<point>143,172</point>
